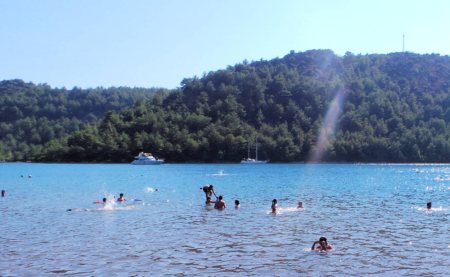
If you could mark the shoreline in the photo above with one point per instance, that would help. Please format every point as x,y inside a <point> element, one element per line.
<point>305,163</point>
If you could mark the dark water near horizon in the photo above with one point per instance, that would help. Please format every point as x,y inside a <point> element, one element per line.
<point>373,215</point>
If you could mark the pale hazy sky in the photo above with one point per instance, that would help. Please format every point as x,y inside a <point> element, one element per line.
<point>90,43</point>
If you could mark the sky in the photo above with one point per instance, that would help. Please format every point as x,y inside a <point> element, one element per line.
<point>134,43</point>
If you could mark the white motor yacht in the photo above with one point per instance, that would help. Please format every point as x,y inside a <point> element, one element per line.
<point>146,159</point>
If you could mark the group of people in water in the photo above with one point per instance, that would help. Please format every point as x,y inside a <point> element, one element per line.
<point>220,204</point>
<point>320,244</point>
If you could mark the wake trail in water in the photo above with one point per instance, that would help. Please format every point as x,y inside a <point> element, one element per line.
<point>285,210</point>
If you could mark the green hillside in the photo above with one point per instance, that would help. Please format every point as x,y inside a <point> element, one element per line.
<point>32,115</point>
<point>393,108</point>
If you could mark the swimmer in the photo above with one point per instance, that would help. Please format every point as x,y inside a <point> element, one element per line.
<point>21,176</point>
<point>209,190</point>
<point>104,201</point>
<point>220,204</point>
<point>274,206</point>
<point>238,205</point>
<point>121,198</point>
<point>429,205</point>
<point>209,201</point>
<point>30,176</point>
<point>77,210</point>
<point>323,245</point>
<point>3,193</point>
<point>200,189</point>
<point>300,205</point>
<point>156,189</point>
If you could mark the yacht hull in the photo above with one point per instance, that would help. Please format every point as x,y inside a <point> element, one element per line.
<point>253,162</point>
<point>147,163</point>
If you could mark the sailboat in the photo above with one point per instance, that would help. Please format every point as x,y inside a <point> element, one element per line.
<point>253,161</point>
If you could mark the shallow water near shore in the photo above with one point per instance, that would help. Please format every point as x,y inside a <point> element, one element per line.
<point>375,217</point>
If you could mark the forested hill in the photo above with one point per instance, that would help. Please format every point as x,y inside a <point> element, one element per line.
<point>32,115</point>
<point>391,108</point>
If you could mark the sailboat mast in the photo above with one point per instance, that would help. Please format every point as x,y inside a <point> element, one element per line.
<point>256,148</point>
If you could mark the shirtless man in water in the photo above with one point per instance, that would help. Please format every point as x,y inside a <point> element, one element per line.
<point>121,198</point>
<point>323,245</point>
<point>209,190</point>
<point>220,204</point>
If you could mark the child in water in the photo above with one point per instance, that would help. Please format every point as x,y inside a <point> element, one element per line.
<point>274,206</point>
<point>238,205</point>
<point>209,201</point>
<point>300,205</point>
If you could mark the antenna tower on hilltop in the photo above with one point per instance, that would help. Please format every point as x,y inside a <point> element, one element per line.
<point>403,43</point>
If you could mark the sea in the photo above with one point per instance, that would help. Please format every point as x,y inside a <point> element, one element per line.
<point>373,215</point>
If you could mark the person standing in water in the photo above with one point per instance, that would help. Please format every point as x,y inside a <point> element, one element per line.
<point>274,206</point>
<point>323,244</point>
<point>3,193</point>
<point>429,205</point>
<point>209,190</point>
<point>300,205</point>
<point>220,204</point>
<point>121,198</point>
<point>238,205</point>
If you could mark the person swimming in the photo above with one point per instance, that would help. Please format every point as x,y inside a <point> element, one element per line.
<point>323,244</point>
<point>300,205</point>
<point>274,206</point>
<point>429,205</point>
<point>238,205</point>
<point>220,204</point>
<point>78,210</point>
<point>209,201</point>
<point>121,198</point>
<point>104,201</point>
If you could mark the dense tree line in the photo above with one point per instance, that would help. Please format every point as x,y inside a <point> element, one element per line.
<point>32,115</point>
<point>392,108</point>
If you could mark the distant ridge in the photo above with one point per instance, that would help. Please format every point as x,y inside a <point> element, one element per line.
<point>391,108</point>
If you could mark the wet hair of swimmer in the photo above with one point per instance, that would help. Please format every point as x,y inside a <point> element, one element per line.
<point>220,197</point>
<point>104,199</point>
<point>323,239</point>
<point>274,201</point>
<point>121,194</point>
<point>236,202</point>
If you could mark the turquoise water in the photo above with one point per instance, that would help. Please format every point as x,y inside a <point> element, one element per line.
<point>373,215</point>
